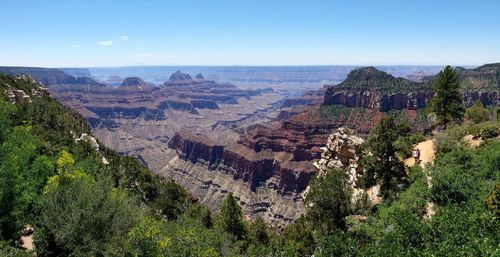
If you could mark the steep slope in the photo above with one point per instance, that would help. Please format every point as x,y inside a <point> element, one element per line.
<point>52,169</point>
<point>49,76</point>
<point>377,90</point>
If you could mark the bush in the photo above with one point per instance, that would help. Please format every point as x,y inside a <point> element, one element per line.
<point>405,144</point>
<point>477,113</point>
<point>489,131</point>
<point>447,140</point>
<point>492,201</point>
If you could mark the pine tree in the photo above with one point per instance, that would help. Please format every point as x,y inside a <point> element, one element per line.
<point>258,232</point>
<point>231,217</point>
<point>447,101</point>
<point>330,201</point>
<point>383,165</point>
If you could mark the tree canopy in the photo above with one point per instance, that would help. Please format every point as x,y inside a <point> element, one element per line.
<point>447,101</point>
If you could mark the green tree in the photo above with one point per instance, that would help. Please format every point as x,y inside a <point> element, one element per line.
<point>231,217</point>
<point>298,239</point>
<point>258,232</point>
<point>83,217</point>
<point>329,201</point>
<point>477,113</point>
<point>169,198</point>
<point>383,165</point>
<point>447,101</point>
<point>201,213</point>
<point>6,117</point>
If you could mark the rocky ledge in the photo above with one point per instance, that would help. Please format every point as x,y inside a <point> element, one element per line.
<point>342,154</point>
<point>377,90</point>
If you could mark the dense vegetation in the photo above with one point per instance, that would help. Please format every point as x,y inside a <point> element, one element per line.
<point>83,199</point>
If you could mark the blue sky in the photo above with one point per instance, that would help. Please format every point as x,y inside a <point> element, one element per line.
<point>122,33</point>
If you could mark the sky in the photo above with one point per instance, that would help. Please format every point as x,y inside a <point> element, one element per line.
<point>90,33</point>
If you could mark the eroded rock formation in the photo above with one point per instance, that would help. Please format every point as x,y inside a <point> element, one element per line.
<point>342,153</point>
<point>377,90</point>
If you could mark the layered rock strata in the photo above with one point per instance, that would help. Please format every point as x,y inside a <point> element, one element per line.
<point>377,90</point>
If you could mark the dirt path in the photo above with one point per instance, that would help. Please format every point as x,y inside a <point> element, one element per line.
<point>27,238</point>
<point>427,155</point>
<point>474,142</point>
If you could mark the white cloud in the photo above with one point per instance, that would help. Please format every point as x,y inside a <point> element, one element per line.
<point>77,46</point>
<point>106,43</point>
<point>124,38</point>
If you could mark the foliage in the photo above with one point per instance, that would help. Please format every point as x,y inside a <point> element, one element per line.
<point>492,201</point>
<point>183,237</point>
<point>477,113</point>
<point>8,251</point>
<point>77,205</point>
<point>201,213</point>
<point>463,225</point>
<point>298,239</point>
<point>258,232</point>
<point>406,143</point>
<point>82,217</point>
<point>230,218</point>
<point>383,165</point>
<point>447,101</point>
<point>330,201</point>
<point>490,131</point>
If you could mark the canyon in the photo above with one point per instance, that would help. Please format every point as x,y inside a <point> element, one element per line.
<point>258,142</point>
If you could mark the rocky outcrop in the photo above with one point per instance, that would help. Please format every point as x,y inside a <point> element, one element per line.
<point>133,82</point>
<point>342,153</point>
<point>179,76</point>
<point>48,76</point>
<point>377,90</point>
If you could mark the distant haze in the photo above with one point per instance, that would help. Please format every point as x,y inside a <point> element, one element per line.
<point>246,76</point>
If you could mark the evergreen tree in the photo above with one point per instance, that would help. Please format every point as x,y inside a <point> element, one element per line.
<point>447,101</point>
<point>329,201</point>
<point>258,232</point>
<point>231,217</point>
<point>383,165</point>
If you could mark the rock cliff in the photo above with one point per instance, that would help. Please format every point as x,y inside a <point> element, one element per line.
<point>342,153</point>
<point>49,76</point>
<point>377,90</point>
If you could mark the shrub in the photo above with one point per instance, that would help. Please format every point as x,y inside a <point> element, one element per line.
<point>492,201</point>
<point>489,131</point>
<point>477,113</point>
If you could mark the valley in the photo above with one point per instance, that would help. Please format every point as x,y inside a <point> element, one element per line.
<point>259,143</point>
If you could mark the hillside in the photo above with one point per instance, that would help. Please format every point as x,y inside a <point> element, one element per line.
<point>374,89</point>
<point>49,76</point>
<point>78,196</point>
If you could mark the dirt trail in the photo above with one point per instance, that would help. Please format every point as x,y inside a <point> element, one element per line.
<point>472,141</point>
<point>27,238</point>
<point>427,155</point>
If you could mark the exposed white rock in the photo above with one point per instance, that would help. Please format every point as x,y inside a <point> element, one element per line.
<point>343,152</point>
<point>90,139</point>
